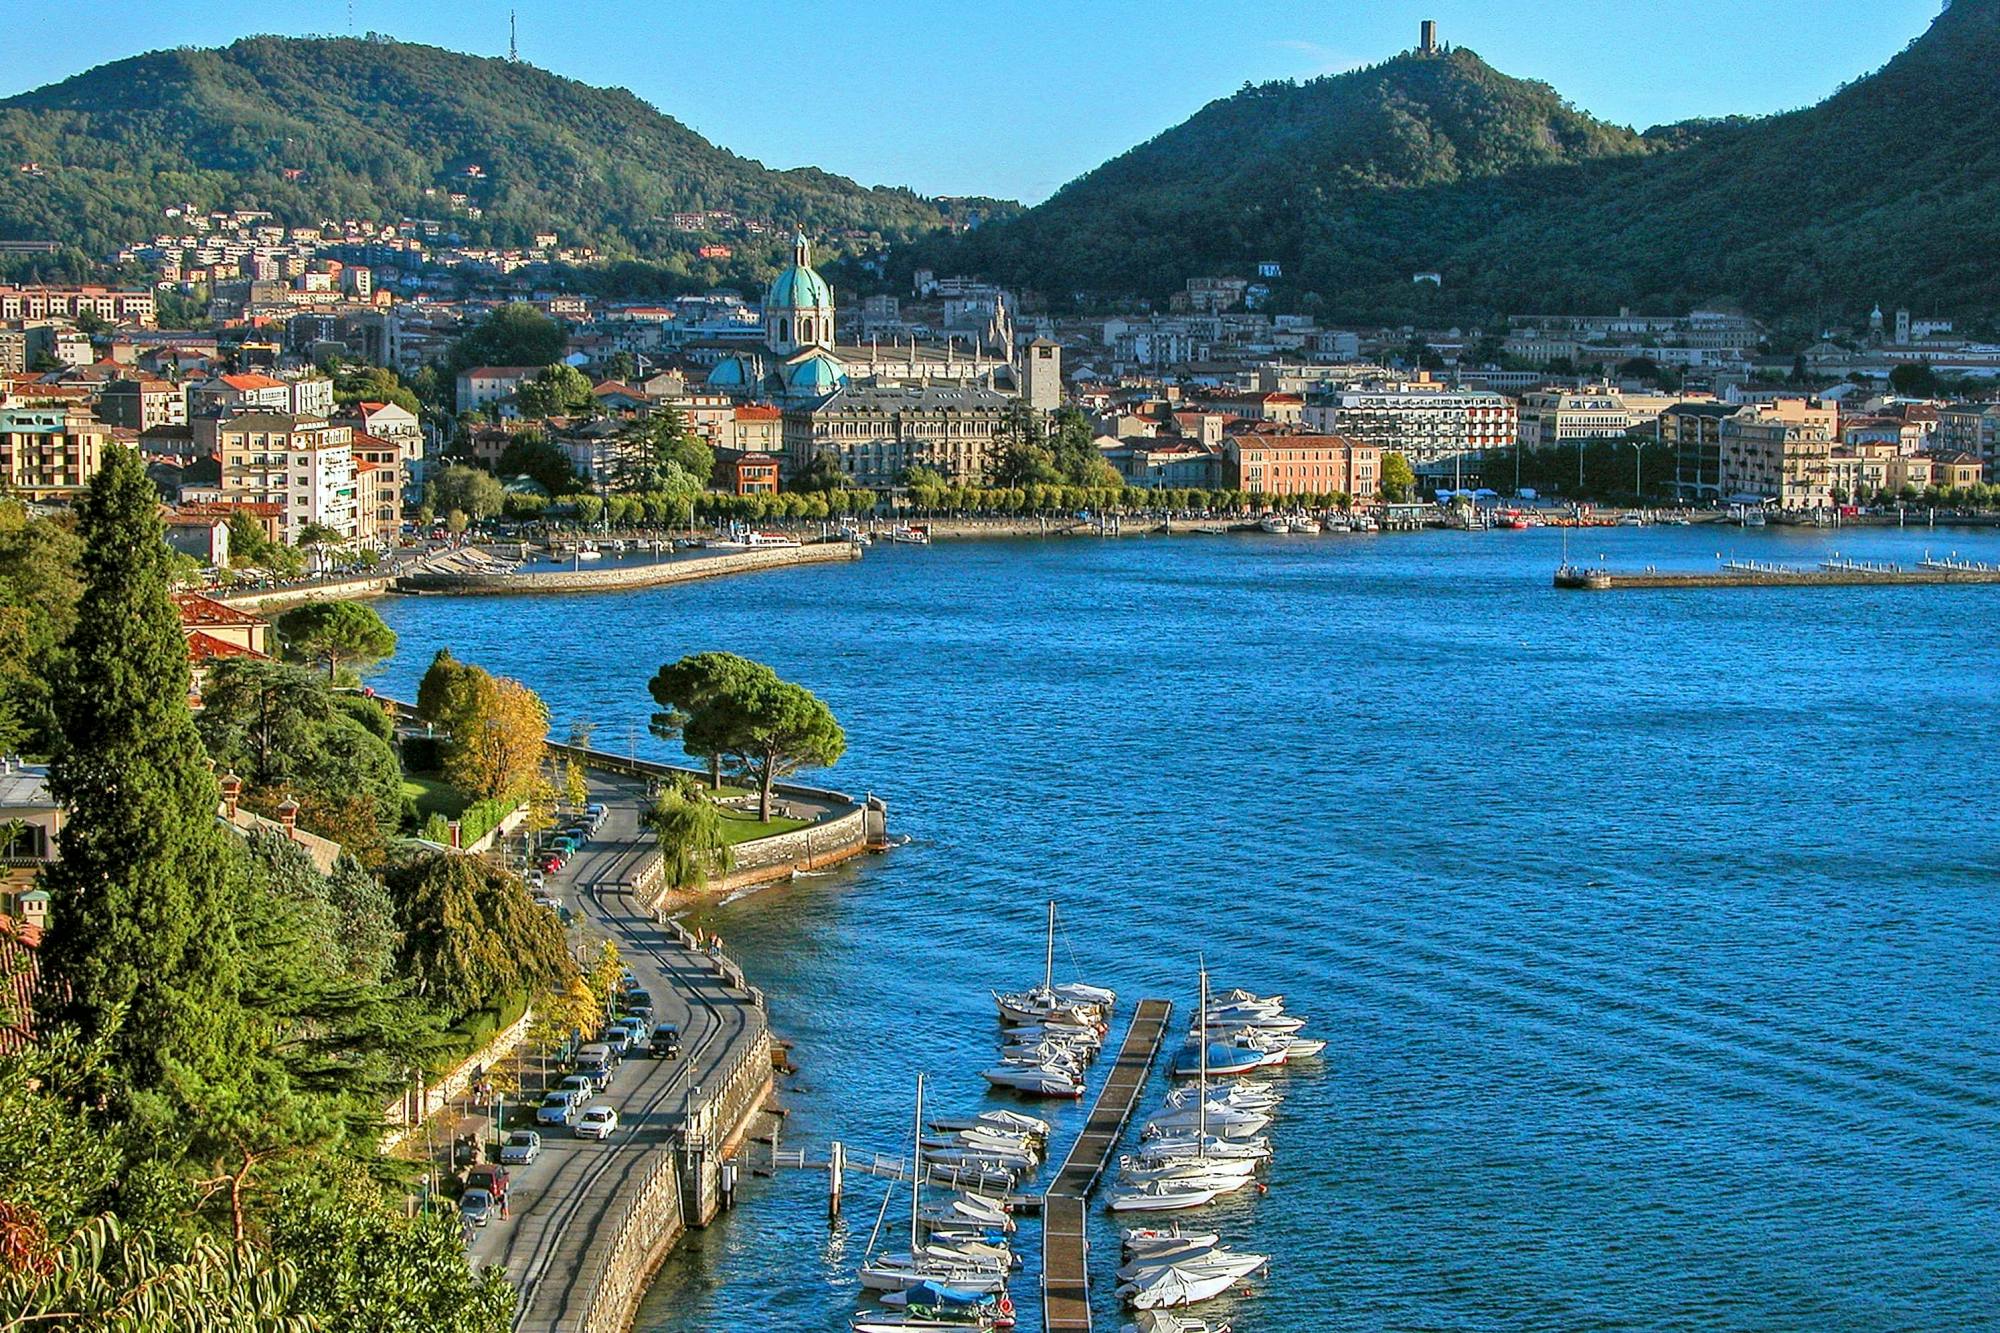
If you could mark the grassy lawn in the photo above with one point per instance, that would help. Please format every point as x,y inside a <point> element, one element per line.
<point>433,796</point>
<point>742,827</point>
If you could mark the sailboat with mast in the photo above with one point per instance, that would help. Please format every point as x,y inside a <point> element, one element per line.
<point>1173,1172</point>
<point>958,1267</point>
<point>1053,1031</point>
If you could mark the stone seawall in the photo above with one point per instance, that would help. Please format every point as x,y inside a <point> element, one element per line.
<point>621,577</point>
<point>682,1189</point>
<point>345,590</point>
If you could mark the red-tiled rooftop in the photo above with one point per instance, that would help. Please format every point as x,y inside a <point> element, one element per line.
<point>199,610</point>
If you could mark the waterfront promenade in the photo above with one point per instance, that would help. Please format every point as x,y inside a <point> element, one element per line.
<point>568,1210</point>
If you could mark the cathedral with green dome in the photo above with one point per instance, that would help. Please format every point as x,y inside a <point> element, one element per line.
<point>800,364</point>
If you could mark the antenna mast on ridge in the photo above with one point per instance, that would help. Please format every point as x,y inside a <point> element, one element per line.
<point>513,46</point>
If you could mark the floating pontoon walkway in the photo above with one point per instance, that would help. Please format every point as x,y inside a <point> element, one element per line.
<point>1065,1248</point>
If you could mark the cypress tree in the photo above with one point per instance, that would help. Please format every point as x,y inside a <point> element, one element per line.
<point>141,947</point>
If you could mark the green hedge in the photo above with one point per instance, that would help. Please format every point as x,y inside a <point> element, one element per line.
<point>477,1028</point>
<point>481,818</point>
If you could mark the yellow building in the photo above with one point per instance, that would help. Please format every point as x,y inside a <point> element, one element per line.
<point>50,453</point>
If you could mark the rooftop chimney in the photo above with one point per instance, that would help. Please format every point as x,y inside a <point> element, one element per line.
<point>1427,37</point>
<point>232,788</point>
<point>288,814</point>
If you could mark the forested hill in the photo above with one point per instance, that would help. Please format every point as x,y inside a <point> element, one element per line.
<point>1889,190</point>
<point>372,125</point>
<point>1337,177</point>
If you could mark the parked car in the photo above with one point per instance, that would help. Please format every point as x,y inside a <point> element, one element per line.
<point>551,864</point>
<point>617,1038</point>
<point>597,1071</point>
<point>476,1208</point>
<point>637,999</point>
<point>598,1052</point>
<point>560,1107</point>
<point>596,810</point>
<point>535,879</point>
<point>492,1179</point>
<point>666,1042</point>
<point>599,1122</point>
<point>579,1086</point>
<point>522,1147</point>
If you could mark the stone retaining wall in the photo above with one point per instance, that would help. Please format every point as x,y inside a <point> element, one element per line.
<point>408,1112</point>
<point>680,1190</point>
<point>345,590</point>
<point>619,577</point>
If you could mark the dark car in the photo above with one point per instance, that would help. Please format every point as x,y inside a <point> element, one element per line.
<point>492,1179</point>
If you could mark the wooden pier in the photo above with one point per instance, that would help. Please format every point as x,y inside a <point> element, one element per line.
<point>1065,1242</point>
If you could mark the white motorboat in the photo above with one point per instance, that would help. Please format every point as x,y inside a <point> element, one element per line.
<point>1251,1020</point>
<point>1223,1121</point>
<point>1160,1196</point>
<point>1039,1080</point>
<point>1221,1059</point>
<point>1138,1240</point>
<point>1190,1168</point>
<point>1173,1148</point>
<point>1008,1120</point>
<point>1165,1256</point>
<point>1189,1283</point>
<point>1274,525</point>
<point>977,1320</point>
<point>967,1210</point>
<point>1303,524</point>
<point>1000,1140</point>
<point>1239,1096</point>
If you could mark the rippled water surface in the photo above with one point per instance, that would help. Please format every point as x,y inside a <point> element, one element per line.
<point>1654,932</point>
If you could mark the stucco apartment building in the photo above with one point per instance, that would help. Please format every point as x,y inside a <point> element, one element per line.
<point>1780,453</point>
<point>50,453</point>
<point>1303,465</point>
<point>142,404</point>
<point>876,434</point>
<point>1435,427</point>
<point>120,306</point>
<point>1973,428</point>
<point>302,463</point>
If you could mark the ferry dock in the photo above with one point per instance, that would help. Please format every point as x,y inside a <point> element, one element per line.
<point>1065,1239</point>
<point>1765,574</point>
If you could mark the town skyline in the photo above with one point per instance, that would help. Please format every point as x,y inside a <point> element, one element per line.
<point>1038,101</point>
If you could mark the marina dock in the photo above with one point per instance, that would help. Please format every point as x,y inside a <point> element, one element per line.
<point>1763,574</point>
<point>1065,1243</point>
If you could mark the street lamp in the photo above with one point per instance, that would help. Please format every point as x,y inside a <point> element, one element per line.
<point>1638,467</point>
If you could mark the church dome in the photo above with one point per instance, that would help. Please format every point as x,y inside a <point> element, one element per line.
<point>815,376</point>
<point>729,374</point>
<point>799,287</point>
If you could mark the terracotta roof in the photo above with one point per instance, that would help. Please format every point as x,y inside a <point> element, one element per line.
<point>247,382</point>
<point>197,610</point>
<point>1300,442</point>
<point>20,970</point>
<point>758,412</point>
<point>207,648</point>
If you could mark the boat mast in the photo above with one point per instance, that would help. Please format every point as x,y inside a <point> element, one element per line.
<point>916,1169</point>
<point>1201,1087</point>
<point>1049,954</point>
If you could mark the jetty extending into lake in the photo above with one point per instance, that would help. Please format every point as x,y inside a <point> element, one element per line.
<point>1764,574</point>
<point>1065,1240</point>
<point>622,577</point>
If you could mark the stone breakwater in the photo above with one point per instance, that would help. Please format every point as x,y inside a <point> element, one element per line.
<point>613,578</point>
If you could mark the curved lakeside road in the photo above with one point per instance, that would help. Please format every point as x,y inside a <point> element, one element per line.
<point>570,1200</point>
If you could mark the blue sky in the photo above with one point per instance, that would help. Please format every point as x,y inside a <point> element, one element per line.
<point>1016,97</point>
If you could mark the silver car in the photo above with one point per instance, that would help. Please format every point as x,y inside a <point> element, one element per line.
<point>522,1147</point>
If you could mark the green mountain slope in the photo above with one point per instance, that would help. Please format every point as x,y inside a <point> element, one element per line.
<point>1330,175</point>
<point>373,125</point>
<point>1889,190</point>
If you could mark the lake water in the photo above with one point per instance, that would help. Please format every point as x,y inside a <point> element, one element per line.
<point>1654,933</point>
